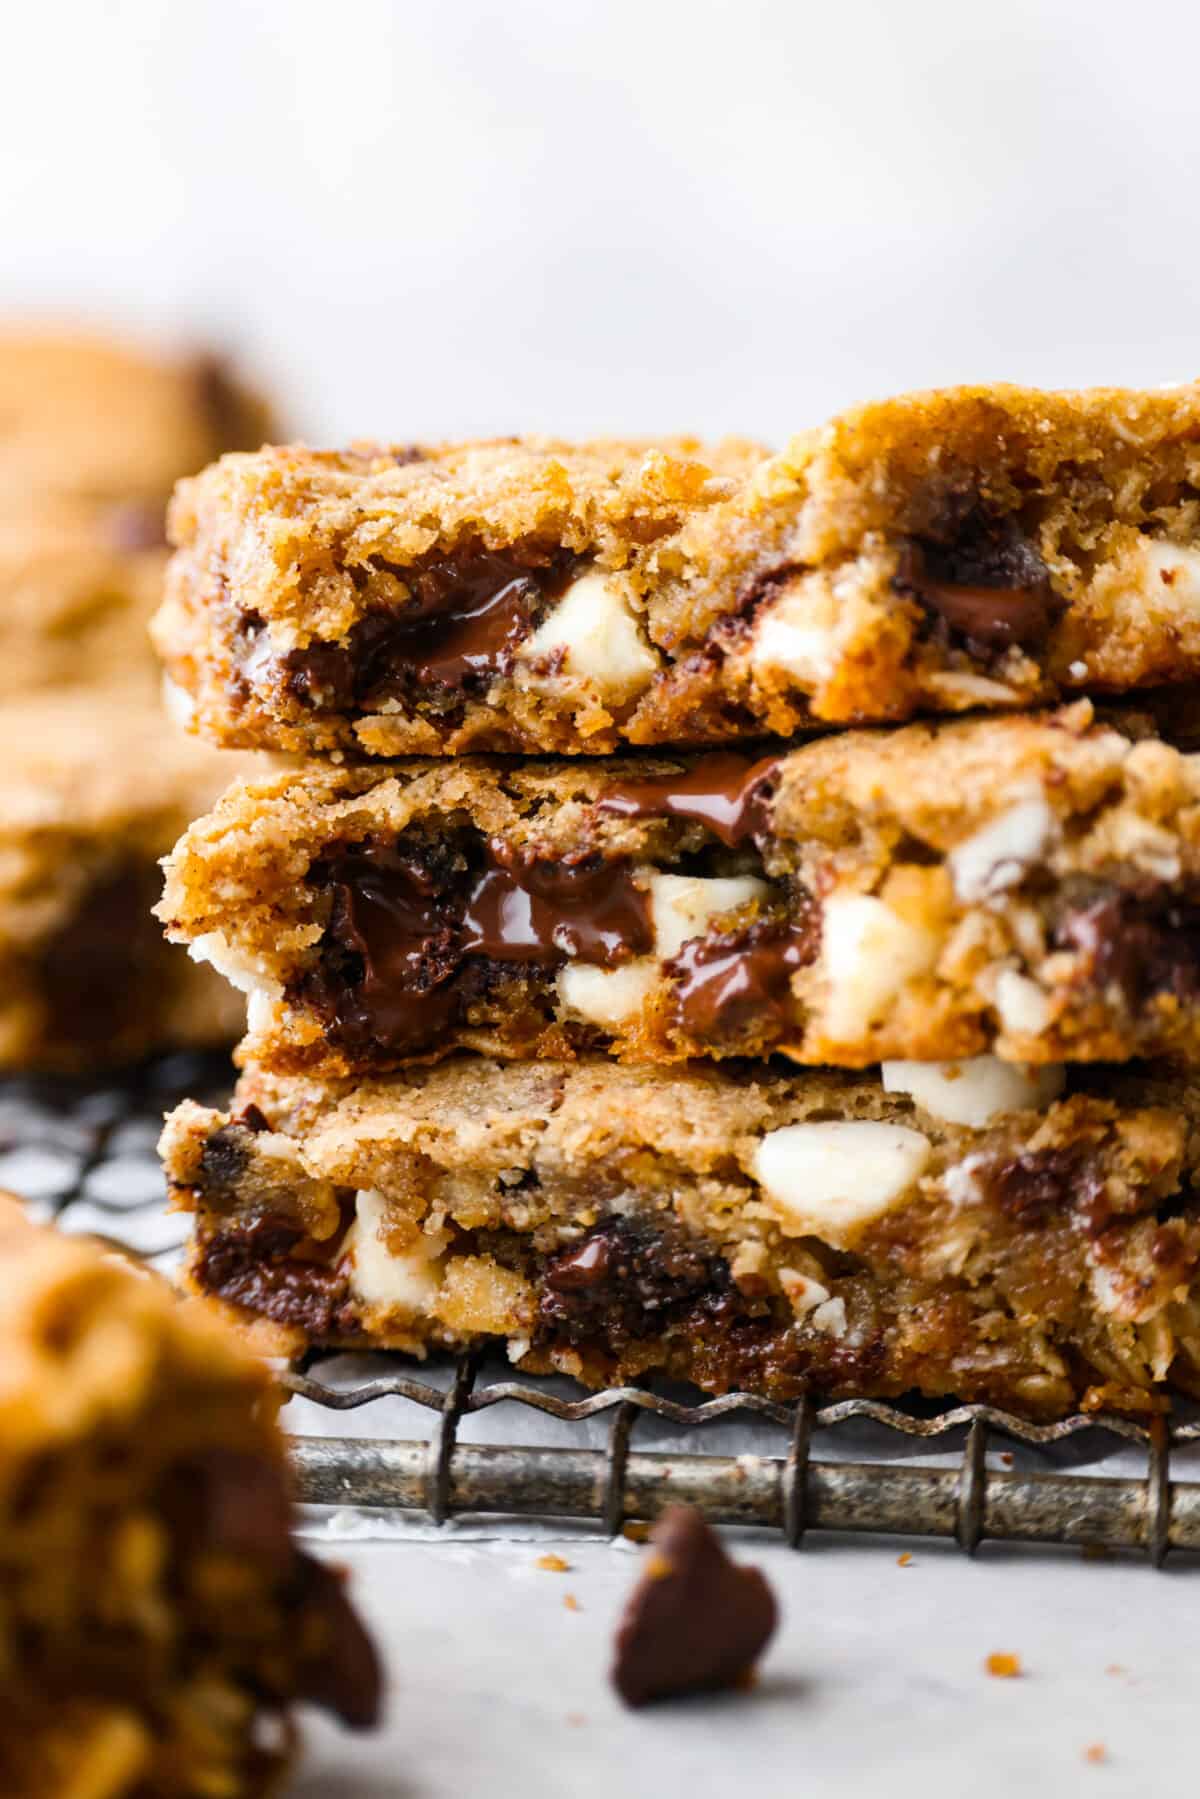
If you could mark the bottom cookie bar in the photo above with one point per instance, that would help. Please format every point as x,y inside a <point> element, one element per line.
<point>156,1620</point>
<point>963,1230</point>
<point>95,784</point>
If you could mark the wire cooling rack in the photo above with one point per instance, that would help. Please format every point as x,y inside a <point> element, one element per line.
<point>82,1154</point>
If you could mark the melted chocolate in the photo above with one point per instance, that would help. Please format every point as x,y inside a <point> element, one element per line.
<point>727,986</point>
<point>254,1265</point>
<point>593,911</point>
<point>405,936</point>
<point>466,615</point>
<point>988,587</point>
<point>627,1280</point>
<point>726,792</point>
<point>1038,1185</point>
<point>1141,948</point>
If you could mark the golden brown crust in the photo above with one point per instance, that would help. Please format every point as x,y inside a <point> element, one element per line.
<point>978,547</point>
<point>1025,885</point>
<point>608,1221</point>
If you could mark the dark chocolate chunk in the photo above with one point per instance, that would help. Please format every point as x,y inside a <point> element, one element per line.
<point>340,1669</point>
<point>410,925</point>
<point>1141,946</point>
<point>529,911</point>
<point>988,586</point>
<point>465,617</point>
<point>726,792</point>
<point>253,1265</point>
<point>1035,1186</point>
<point>695,1622</point>
<point>627,1280</point>
<point>726,986</point>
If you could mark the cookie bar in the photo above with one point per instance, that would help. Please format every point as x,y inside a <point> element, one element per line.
<point>1023,1237</point>
<point>1023,885</point>
<point>95,785</point>
<point>988,547</point>
<point>155,1615</point>
<point>76,596</point>
<point>97,422</point>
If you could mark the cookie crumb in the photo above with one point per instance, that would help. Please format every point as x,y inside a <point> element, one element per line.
<point>572,1604</point>
<point>1003,1665</point>
<point>905,1560</point>
<point>1115,1668</point>
<point>696,1621</point>
<point>1095,1752</point>
<point>553,1564</point>
<point>636,1531</point>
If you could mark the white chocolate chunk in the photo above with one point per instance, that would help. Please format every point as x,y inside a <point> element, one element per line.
<point>867,953</point>
<point>1023,1006</point>
<point>241,971</point>
<point>683,906</point>
<point>976,1091</point>
<point>803,1293</point>
<point>830,1180</point>
<point>796,635</point>
<point>607,997</point>
<point>408,1282</point>
<point>999,855</point>
<point>831,1318</point>
<point>1171,572</point>
<point>599,640</point>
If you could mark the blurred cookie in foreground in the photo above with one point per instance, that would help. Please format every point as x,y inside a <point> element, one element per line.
<point>94,788</point>
<point>695,1622</point>
<point>157,1622</point>
<point>95,420</point>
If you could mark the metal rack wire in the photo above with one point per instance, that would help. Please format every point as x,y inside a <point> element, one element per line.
<point>83,1153</point>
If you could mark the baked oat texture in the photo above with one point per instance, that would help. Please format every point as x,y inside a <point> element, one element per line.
<point>981,547</point>
<point>1027,1239</point>
<point>95,785</point>
<point>155,1616</point>
<point>1026,886</point>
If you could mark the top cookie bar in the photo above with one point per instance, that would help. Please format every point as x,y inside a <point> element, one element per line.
<point>981,547</point>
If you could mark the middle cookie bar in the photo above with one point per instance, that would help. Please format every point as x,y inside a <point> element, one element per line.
<point>1023,885</point>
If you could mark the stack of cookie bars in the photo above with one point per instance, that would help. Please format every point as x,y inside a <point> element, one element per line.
<point>612,997</point>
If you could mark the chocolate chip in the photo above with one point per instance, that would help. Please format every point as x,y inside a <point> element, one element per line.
<point>1036,1186</point>
<point>466,614</point>
<point>341,1671</point>
<point>726,792</point>
<point>252,1265</point>
<point>695,1622</point>
<point>988,586</point>
<point>628,1279</point>
<point>728,986</point>
<point>252,1118</point>
<point>1137,944</point>
<point>223,1159</point>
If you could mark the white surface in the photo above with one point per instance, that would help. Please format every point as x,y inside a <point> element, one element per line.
<point>874,1685</point>
<point>613,214</point>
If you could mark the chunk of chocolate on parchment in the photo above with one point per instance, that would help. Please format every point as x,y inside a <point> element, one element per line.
<point>696,1621</point>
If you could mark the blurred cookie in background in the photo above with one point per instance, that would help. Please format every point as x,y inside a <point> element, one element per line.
<point>96,784</point>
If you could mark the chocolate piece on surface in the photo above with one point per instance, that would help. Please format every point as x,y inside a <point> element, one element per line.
<point>696,1622</point>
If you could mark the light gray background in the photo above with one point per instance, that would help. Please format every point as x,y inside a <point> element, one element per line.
<point>436,217</point>
<point>427,218</point>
